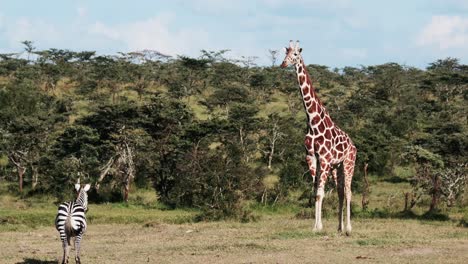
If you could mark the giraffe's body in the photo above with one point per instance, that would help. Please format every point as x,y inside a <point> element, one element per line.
<point>325,143</point>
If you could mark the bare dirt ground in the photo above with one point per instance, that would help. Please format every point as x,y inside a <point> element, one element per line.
<point>270,240</point>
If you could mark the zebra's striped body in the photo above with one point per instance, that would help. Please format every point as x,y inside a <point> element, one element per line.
<point>71,222</point>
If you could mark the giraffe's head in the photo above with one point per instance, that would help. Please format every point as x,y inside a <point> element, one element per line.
<point>293,55</point>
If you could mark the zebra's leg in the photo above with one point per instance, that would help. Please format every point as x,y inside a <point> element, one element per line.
<point>77,249</point>
<point>66,249</point>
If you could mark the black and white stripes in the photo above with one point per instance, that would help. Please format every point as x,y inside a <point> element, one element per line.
<point>71,221</point>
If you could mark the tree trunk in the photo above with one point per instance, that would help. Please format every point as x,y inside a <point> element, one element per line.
<point>365,192</point>
<point>242,143</point>
<point>35,177</point>
<point>104,172</point>
<point>270,157</point>
<point>410,201</point>
<point>126,190</point>
<point>435,193</point>
<point>407,194</point>
<point>21,171</point>
<point>15,158</point>
<point>129,169</point>
<point>276,134</point>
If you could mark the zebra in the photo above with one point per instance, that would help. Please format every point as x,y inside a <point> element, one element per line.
<point>71,222</point>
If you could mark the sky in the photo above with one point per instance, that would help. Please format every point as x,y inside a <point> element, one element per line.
<point>335,33</point>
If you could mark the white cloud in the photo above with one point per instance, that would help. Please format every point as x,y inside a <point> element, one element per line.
<point>81,11</point>
<point>27,29</point>
<point>463,4</point>
<point>215,5</point>
<point>445,32</point>
<point>154,33</point>
<point>99,28</point>
<point>353,53</point>
<point>275,21</point>
<point>356,21</point>
<point>308,3</point>
<point>249,7</point>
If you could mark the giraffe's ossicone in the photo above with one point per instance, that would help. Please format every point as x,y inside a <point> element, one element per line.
<point>326,144</point>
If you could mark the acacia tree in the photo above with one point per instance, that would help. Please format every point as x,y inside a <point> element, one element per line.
<point>121,164</point>
<point>75,153</point>
<point>273,127</point>
<point>108,73</point>
<point>54,64</point>
<point>453,181</point>
<point>243,122</point>
<point>27,118</point>
<point>18,159</point>
<point>273,55</point>
<point>28,47</point>
<point>426,180</point>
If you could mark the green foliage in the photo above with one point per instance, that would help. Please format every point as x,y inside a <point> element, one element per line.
<point>424,156</point>
<point>64,115</point>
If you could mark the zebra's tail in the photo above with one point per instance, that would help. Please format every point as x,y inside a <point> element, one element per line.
<point>68,226</point>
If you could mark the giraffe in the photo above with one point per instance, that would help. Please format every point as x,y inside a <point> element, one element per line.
<point>325,143</point>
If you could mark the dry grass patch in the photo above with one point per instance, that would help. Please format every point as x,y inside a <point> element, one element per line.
<point>281,239</point>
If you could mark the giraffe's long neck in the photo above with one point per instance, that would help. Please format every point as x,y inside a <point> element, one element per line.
<point>314,109</point>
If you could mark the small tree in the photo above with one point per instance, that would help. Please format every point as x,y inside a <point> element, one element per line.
<point>427,179</point>
<point>272,137</point>
<point>453,181</point>
<point>273,55</point>
<point>28,47</point>
<point>121,163</point>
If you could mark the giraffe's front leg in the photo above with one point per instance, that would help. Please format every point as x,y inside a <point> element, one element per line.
<point>310,157</point>
<point>320,193</point>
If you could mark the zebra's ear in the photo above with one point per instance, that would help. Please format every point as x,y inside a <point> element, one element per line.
<point>87,187</point>
<point>77,187</point>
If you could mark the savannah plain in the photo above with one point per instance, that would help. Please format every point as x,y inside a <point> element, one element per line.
<point>218,138</point>
<point>137,233</point>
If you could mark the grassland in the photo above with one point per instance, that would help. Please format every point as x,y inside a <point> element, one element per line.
<point>145,232</point>
<point>279,239</point>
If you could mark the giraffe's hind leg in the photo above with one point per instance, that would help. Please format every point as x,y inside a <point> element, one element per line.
<point>348,165</point>
<point>340,190</point>
<point>312,163</point>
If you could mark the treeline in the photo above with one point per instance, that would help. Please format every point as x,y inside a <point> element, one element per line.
<point>212,132</point>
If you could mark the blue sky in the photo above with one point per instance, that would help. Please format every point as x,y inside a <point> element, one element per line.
<point>335,33</point>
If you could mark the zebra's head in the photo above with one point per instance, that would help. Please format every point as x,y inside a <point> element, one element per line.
<point>82,194</point>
